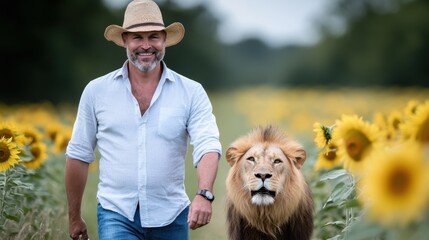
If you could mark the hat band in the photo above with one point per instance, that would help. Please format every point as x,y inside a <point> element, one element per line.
<point>145,24</point>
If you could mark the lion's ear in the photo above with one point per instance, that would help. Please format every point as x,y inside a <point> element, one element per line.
<point>299,157</point>
<point>231,155</point>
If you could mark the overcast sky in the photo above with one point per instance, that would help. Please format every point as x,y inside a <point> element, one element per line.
<point>277,22</point>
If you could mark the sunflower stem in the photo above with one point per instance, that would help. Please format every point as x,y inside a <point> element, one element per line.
<point>3,196</point>
<point>349,211</point>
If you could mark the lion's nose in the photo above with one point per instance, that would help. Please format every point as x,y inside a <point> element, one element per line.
<point>263,176</point>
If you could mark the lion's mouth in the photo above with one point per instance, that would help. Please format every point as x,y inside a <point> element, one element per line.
<point>265,191</point>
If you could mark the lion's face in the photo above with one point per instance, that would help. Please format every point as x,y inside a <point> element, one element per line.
<point>264,171</point>
<point>265,167</point>
<point>265,185</point>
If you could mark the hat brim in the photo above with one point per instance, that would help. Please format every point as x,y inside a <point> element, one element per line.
<point>175,33</point>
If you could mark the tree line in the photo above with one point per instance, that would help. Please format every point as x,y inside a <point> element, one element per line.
<point>53,48</point>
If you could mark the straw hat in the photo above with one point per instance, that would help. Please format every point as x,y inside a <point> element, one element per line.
<point>144,16</point>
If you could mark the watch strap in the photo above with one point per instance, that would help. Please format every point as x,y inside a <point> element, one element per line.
<point>204,193</point>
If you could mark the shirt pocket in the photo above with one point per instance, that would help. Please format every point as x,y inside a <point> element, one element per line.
<point>172,122</point>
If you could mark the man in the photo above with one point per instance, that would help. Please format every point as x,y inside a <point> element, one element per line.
<point>140,118</point>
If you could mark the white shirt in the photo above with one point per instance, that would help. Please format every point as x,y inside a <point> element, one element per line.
<point>142,157</point>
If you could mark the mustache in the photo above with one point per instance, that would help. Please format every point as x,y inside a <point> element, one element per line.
<point>149,50</point>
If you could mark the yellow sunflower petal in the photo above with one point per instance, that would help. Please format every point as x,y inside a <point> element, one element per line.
<point>328,159</point>
<point>357,139</point>
<point>417,126</point>
<point>39,152</point>
<point>11,130</point>
<point>395,187</point>
<point>8,154</point>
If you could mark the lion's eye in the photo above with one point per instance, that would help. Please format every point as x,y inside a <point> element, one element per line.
<point>278,161</point>
<point>252,159</point>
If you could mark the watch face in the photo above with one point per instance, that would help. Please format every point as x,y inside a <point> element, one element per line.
<point>209,195</point>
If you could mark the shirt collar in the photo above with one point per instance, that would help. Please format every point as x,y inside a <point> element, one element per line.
<point>123,72</point>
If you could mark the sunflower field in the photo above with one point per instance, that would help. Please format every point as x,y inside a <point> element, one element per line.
<point>367,161</point>
<point>32,142</point>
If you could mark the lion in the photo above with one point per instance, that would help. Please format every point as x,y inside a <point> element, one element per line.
<point>267,196</point>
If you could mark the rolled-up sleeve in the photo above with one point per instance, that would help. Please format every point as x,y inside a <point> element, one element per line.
<point>202,127</point>
<point>83,140</point>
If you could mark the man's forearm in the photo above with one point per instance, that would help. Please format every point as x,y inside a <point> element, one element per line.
<point>76,173</point>
<point>207,170</point>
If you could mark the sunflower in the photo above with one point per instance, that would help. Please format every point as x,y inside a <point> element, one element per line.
<point>32,134</point>
<point>328,159</point>
<point>323,134</point>
<point>8,154</point>
<point>411,107</point>
<point>417,126</point>
<point>53,130</point>
<point>357,139</point>
<point>62,139</point>
<point>39,152</point>
<point>394,119</point>
<point>10,130</point>
<point>387,132</point>
<point>395,188</point>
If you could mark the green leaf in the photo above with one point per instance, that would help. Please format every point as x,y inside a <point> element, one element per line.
<point>335,174</point>
<point>363,230</point>
<point>338,237</point>
<point>20,184</point>
<point>352,203</point>
<point>338,191</point>
<point>336,223</point>
<point>340,195</point>
<point>11,217</point>
<point>17,194</point>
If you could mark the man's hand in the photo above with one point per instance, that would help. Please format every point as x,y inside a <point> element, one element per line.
<point>77,229</point>
<point>200,212</point>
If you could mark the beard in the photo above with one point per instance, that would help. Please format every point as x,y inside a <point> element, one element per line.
<point>145,65</point>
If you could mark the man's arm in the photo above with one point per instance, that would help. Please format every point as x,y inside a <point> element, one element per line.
<point>201,209</point>
<point>76,174</point>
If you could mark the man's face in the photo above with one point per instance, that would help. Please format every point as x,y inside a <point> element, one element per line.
<point>145,49</point>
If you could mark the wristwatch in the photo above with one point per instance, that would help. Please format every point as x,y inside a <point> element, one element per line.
<point>206,194</point>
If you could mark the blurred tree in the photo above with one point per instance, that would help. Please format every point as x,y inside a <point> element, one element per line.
<point>52,48</point>
<point>385,45</point>
<point>200,55</point>
<point>252,62</point>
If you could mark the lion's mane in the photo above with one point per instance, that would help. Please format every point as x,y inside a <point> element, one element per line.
<point>291,214</point>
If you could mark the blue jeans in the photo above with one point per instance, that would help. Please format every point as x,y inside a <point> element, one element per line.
<point>113,226</point>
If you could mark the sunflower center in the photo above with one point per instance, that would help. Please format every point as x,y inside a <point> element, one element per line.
<point>35,151</point>
<point>396,123</point>
<point>356,144</point>
<point>4,153</point>
<point>399,183</point>
<point>53,135</point>
<point>31,137</point>
<point>331,155</point>
<point>6,133</point>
